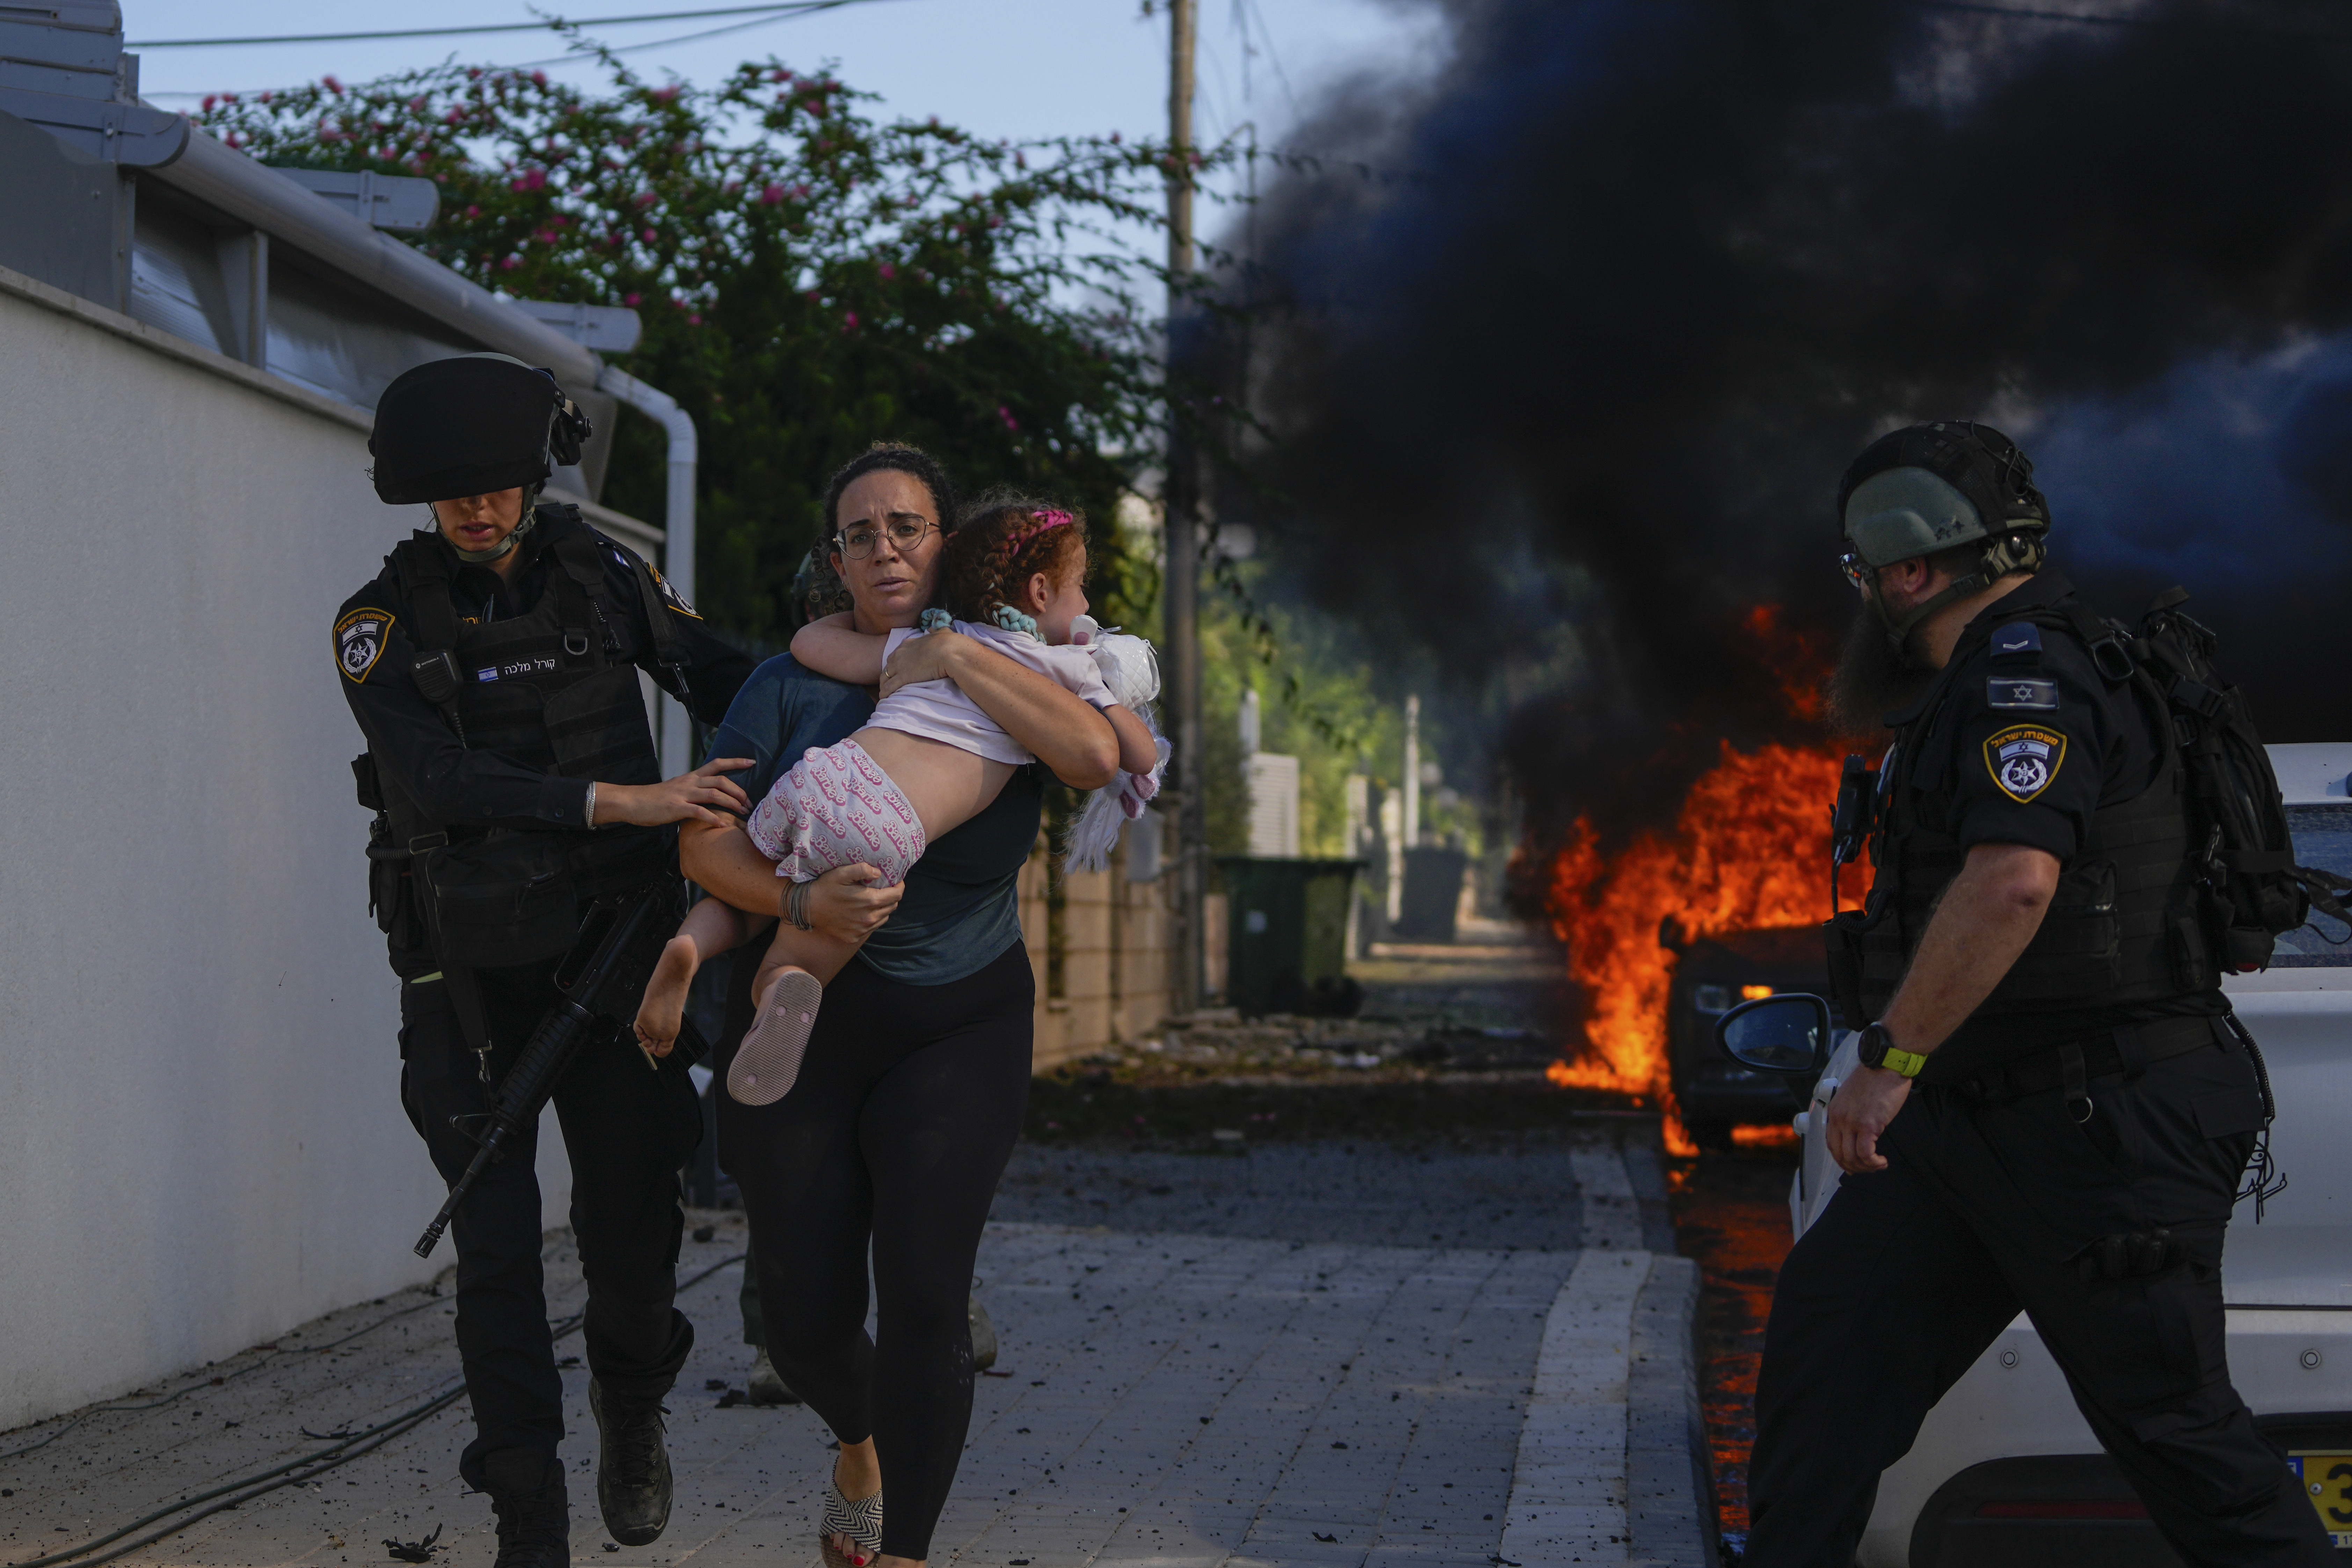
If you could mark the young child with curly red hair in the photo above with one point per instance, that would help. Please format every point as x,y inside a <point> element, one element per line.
<point>927,762</point>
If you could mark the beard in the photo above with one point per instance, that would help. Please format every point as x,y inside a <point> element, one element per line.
<point>1873,678</point>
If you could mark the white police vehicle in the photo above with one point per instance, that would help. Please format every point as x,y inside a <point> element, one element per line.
<point>2005,1471</point>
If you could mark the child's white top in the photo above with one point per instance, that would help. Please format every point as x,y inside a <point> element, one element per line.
<point>938,711</point>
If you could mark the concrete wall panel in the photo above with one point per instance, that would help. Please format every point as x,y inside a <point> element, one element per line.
<point>201,1141</point>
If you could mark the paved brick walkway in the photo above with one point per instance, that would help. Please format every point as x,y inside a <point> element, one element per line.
<point>1277,1369</point>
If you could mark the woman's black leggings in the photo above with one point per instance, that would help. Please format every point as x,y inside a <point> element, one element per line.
<point>908,1102</point>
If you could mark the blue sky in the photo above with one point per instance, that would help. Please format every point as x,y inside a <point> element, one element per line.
<point>1002,68</point>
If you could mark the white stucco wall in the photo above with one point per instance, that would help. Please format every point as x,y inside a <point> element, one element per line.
<point>201,1141</point>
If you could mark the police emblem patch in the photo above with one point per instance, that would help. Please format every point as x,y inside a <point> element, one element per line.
<point>670,595</point>
<point>359,642</point>
<point>2023,758</point>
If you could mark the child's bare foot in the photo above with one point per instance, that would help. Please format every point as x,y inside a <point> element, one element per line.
<point>663,1012</point>
<point>768,1062</point>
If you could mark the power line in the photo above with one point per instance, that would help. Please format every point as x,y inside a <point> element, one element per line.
<point>804,8</point>
<point>544,24</point>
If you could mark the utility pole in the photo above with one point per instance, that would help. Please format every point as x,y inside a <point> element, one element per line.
<point>1180,589</point>
<point>1411,833</point>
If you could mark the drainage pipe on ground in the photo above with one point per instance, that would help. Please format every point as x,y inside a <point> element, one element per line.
<point>678,528</point>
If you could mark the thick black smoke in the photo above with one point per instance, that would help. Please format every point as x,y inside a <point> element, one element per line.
<point>1579,369</point>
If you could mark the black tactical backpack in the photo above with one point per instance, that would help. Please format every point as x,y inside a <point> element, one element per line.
<point>2251,891</point>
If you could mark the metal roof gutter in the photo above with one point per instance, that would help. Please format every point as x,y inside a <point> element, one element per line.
<point>254,193</point>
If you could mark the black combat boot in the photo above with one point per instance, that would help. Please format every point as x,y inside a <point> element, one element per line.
<point>633,1483</point>
<point>526,1489</point>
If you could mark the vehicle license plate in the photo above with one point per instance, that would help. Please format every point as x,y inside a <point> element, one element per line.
<point>2328,1482</point>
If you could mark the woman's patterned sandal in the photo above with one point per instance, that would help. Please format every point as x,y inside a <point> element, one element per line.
<point>861,1521</point>
<point>768,1063</point>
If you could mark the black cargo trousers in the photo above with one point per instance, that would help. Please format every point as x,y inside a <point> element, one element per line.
<point>1983,1209</point>
<point>628,1129</point>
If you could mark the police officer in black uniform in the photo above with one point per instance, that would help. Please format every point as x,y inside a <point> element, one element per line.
<point>2055,1111</point>
<point>493,668</point>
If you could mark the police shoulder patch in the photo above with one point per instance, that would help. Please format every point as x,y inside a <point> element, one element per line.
<point>2023,758</point>
<point>2011,691</point>
<point>670,595</point>
<point>359,641</point>
<point>2019,639</point>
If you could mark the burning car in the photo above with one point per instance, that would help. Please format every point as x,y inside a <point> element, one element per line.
<point>2005,1471</point>
<point>1712,975</point>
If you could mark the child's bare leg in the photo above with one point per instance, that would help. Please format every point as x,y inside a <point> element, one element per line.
<point>710,929</point>
<point>821,955</point>
<point>788,988</point>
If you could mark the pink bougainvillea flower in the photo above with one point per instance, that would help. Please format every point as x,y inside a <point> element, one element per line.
<point>888,272</point>
<point>693,320</point>
<point>649,237</point>
<point>849,322</point>
<point>510,263</point>
<point>211,99</point>
<point>631,300</point>
<point>1006,414</point>
<point>331,84</point>
<point>538,78</point>
<point>772,194</point>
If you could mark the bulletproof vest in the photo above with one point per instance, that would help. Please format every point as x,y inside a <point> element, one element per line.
<point>553,691</point>
<point>2122,927</point>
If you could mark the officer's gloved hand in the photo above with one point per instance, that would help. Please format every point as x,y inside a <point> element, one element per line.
<point>2127,1255</point>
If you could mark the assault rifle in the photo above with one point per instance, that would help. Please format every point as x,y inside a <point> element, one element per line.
<point>623,936</point>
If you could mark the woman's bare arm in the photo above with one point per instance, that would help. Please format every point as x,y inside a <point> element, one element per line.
<point>1067,734</point>
<point>1138,753</point>
<point>847,903</point>
<point>833,647</point>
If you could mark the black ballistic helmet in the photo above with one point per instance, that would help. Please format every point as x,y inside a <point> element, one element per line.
<point>1991,474</point>
<point>469,427</point>
<point>1926,489</point>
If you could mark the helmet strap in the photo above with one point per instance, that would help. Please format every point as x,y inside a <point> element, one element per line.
<point>498,551</point>
<point>2009,552</point>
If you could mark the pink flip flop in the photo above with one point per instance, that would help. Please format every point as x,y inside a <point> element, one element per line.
<point>768,1062</point>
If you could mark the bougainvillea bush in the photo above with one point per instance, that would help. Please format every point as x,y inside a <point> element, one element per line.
<point>810,280</point>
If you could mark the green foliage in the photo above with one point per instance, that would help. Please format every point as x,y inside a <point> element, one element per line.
<point>1317,700</point>
<point>810,280</point>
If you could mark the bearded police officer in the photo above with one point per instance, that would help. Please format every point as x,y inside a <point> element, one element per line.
<point>493,668</point>
<point>2056,1112</point>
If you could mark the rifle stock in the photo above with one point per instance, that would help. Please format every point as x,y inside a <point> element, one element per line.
<point>616,935</point>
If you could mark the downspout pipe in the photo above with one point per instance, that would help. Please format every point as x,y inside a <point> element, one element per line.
<point>678,528</point>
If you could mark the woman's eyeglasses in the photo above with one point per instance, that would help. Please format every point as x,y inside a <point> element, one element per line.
<point>906,531</point>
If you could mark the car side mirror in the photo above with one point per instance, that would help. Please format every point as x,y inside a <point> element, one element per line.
<point>1787,1033</point>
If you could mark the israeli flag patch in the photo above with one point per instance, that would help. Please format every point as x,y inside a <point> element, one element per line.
<point>2041,695</point>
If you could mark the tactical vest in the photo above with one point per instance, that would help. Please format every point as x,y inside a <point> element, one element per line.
<point>2122,927</point>
<point>552,691</point>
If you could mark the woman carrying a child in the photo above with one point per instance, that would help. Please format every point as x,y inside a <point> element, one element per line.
<point>876,1097</point>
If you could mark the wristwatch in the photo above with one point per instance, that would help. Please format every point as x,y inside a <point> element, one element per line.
<point>1878,1049</point>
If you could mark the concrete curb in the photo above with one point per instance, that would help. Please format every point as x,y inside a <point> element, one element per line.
<point>1614,1466</point>
<point>1669,1470</point>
